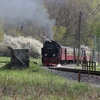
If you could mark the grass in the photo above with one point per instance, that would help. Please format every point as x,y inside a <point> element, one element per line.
<point>36,60</point>
<point>4,58</point>
<point>36,83</point>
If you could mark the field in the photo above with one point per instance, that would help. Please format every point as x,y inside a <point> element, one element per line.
<point>36,83</point>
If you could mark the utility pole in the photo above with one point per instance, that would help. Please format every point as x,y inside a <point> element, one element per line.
<point>79,39</point>
<point>94,56</point>
<point>98,50</point>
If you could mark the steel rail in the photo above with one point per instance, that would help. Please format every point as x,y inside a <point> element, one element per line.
<point>79,71</point>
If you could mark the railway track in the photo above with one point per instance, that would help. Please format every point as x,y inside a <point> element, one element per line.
<point>71,73</point>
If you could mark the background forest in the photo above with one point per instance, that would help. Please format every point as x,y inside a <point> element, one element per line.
<point>54,19</point>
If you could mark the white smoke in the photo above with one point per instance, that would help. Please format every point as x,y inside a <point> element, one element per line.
<point>22,10</point>
<point>23,43</point>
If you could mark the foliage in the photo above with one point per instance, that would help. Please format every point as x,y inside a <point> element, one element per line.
<point>96,28</point>
<point>66,16</point>
<point>59,32</point>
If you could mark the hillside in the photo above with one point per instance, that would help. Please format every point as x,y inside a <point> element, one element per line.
<point>57,20</point>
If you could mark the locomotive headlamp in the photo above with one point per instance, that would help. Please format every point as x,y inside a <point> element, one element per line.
<point>53,54</point>
<point>45,54</point>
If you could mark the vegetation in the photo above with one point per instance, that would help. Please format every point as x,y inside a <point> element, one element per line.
<point>63,17</point>
<point>1,30</point>
<point>36,83</point>
<point>66,16</point>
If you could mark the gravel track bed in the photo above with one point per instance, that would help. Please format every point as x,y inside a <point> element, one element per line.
<point>89,79</point>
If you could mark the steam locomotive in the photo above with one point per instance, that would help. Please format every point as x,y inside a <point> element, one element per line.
<point>53,54</point>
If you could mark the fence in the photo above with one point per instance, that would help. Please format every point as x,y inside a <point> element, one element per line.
<point>89,65</point>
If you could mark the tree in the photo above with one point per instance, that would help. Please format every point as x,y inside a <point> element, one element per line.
<point>59,33</point>
<point>96,28</point>
<point>65,13</point>
<point>1,30</point>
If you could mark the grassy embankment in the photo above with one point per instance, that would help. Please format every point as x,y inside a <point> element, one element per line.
<point>38,84</point>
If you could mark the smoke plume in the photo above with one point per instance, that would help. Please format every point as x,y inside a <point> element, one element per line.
<point>22,10</point>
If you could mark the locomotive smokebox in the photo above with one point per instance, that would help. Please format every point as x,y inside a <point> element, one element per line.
<point>19,58</point>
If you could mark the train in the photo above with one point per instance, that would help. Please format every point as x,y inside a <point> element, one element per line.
<point>53,54</point>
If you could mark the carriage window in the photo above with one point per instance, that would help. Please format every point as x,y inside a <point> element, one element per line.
<point>70,51</point>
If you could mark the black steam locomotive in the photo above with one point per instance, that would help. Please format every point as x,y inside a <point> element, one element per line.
<point>50,53</point>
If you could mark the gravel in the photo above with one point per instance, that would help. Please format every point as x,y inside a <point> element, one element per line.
<point>88,79</point>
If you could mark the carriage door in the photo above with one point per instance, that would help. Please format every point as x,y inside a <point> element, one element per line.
<point>74,55</point>
<point>66,55</point>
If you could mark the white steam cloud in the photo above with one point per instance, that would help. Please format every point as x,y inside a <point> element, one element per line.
<point>22,10</point>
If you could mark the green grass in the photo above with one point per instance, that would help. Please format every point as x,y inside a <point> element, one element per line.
<point>36,60</point>
<point>98,67</point>
<point>4,58</point>
<point>36,83</point>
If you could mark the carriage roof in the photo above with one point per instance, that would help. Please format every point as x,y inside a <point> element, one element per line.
<point>67,47</point>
